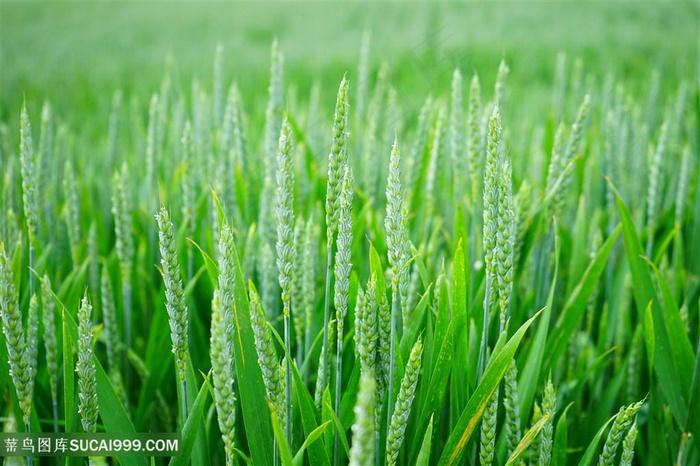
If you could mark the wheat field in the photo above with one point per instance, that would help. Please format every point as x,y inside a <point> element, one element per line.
<point>474,242</point>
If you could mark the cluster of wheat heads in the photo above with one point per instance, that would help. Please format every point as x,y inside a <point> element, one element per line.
<point>494,291</point>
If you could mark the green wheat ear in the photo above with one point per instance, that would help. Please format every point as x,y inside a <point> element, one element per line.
<point>404,401</point>
<point>87,378</point>
<point>221,345</point>
<point>363,429</point>
<point>50,342</point>
<point>267,356</point>
<point>624,419</point>
<point>174,291</point>
<point>21,348</point>
<point>549,406</point>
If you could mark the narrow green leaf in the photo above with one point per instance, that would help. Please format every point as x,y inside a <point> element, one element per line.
<point>673,368</point>
<point>530,374</point>
<point>68,375</point>
<point>309,440</point>
<point>592,449</point>
<point>561,439</point>
<point>424,452</point>
<point>527,439</point>
<point>496,369</point>
<point>192,427</point>
<point>575,306</point>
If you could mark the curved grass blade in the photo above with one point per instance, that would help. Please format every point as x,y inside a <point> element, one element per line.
<point>496,369</point>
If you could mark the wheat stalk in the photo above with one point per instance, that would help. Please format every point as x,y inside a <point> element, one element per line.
<point>29,186</point>
<point>121,208</point>
<point>50,343</point>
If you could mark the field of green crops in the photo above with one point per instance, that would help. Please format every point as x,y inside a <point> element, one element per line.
<point>367,234</point>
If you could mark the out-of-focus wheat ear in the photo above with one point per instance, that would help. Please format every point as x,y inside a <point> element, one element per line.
<point>17,348</point>
<point>121,209</point>
<point>628,446</point>
<point>113,342</point>
<point>267,356</point>
<point>457,135</point>
<point>655,189</point>
<point>151,149</point>
<point>512,408</point>
<point>269,278</point>
<point>404,401</point>
<point>273,125</point>
<point>414,162</point>
<point>309,254</point>
<point>549,406</point>
<point>29,186</point>
<point>474,153</point>
<point>44,158</point>
<point>72,212</point>
<point>87,379</point>
<point>559,96</point>
<point>93,257</point>
<point>487,436</point>
<point>521,212</point>
<point>113,131</point>
<point>32,340</point>
<point>362,451</point>
<point>624,419</point>
<point>500,86</point>
<point>299,314</point>
<point>573,148</point>
<point>432,170</point>
<point>50,343</point>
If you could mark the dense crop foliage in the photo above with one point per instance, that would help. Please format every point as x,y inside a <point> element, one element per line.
<point>293,280</point>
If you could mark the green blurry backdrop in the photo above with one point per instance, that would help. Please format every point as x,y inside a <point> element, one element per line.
<point>76,54</point>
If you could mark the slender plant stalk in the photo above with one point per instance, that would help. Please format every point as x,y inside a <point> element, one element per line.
<point>29,187</point>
